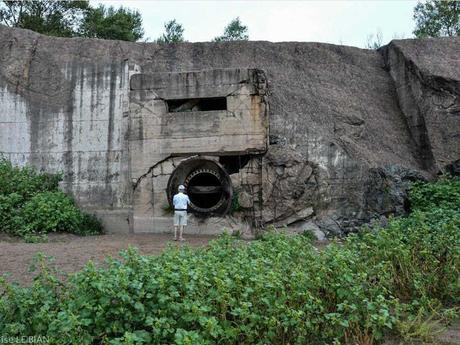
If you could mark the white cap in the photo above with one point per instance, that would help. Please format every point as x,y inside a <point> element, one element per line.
<point>181,187</point>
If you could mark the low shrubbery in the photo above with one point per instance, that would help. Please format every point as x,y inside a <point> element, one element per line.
<point>277,290</point>
<point>31,203</point>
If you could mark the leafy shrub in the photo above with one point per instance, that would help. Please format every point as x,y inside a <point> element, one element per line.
<point>10,206</point>
<point>444,193</point>
<point>31,203</point>
<point>50,212</point>
<point>25,181</point>
<point>310,234</point>
<point>421,253</point>
<point>279,290</point>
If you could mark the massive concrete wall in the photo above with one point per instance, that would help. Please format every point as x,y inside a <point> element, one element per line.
<point>344,138</point>
<point>65,115</point>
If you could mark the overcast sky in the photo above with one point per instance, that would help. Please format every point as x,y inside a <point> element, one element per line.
<point>339,22</point>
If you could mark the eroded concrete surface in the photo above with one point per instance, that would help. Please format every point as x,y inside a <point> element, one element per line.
<point>327,137</point>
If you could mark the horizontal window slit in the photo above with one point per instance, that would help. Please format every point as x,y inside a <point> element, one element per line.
<point>197,104</point>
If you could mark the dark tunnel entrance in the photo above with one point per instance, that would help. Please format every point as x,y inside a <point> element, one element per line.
<point>207,184</point>
<point>204,189</point>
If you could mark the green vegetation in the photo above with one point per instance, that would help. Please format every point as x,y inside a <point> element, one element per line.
<point>235,206</point>
<point>174,33</point>
<point>53,18</point>
<point>437,18</point>
<point>112,24</point>
<point>31,204</point>
<point>234,31</point>
<point>69,18</point>
<point>432,197</point>
<point>400,280</point>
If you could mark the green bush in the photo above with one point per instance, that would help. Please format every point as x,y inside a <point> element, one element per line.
<point>279,290</point>
<point>10,206</point>
<point>31,203</point>
<point>444,193</point>
<point>50,212</point>
<point>421,253</point>
<point>25,181</point>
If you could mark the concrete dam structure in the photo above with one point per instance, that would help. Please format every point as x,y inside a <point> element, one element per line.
<point>309,135</point>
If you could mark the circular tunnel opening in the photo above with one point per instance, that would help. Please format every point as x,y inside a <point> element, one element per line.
<point>204,189</point>
<point>207,184</point>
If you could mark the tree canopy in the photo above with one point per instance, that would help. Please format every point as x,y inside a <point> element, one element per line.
<point>110,23</point>
<point>70,18</point>
<point>437,18</point>
<point>174,33</point>
<point>54,18</point>
<point>234,31</point>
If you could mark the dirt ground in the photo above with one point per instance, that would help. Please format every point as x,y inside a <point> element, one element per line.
<point>71,252</point>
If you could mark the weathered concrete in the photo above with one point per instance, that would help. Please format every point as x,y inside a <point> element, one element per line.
<point>159,140</point>
<point>349,128</point>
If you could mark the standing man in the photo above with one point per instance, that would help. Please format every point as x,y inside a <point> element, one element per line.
<point>180,202</point>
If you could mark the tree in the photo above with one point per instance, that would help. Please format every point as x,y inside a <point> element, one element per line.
<point>69,18</point>
<point>235,31</point>
<point>54,18</point>
<point>374,41</point>
<point>174,33</point>
<point>113,24</point>
<point>437,18</point>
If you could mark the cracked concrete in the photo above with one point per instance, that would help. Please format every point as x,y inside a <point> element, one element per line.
<point>159,136</point>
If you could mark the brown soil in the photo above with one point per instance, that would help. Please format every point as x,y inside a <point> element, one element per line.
<point>451,335</point>
<point>70,252</point>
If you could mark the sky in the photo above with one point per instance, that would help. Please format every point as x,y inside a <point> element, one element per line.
<point>339,22</point>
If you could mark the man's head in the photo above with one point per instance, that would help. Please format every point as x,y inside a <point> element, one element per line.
<point>181,188</point>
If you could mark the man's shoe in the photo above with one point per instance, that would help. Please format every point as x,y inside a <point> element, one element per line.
<point>181,239</point>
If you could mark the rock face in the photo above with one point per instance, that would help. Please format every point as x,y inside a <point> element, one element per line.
<point>427,81</point>
<point>348,128</point>
<point>288,186</point>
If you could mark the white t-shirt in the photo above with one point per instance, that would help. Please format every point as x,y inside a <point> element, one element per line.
<point>180,201</point>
